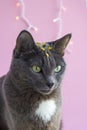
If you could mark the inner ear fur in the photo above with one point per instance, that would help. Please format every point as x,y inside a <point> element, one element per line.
<point>24,42</point>
<point>60,44</point>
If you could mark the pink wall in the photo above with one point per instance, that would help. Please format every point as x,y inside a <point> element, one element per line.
<point>41,13</point>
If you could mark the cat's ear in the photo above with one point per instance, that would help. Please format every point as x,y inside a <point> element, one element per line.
<point>60,44</point>
<point>24,42</point>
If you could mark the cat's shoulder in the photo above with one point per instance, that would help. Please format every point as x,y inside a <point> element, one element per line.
<point>1,80</point>
<point>1,97</point>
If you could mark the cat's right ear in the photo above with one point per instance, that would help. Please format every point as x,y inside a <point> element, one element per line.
<point>24,42</point>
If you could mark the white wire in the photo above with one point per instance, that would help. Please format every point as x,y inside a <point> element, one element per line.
<point>86,3</point>
<point>59,18</point>
<point>30,26</point>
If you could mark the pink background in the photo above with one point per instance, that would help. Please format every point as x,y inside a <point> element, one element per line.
<point>41,13</point>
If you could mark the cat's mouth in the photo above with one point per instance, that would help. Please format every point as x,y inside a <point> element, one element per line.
<point>47,91</point>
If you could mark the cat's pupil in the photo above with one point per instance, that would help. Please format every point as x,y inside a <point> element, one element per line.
<point>58,69</point>
<point>36,69</point>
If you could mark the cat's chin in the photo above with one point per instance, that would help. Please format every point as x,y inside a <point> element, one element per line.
<point>45,92</point>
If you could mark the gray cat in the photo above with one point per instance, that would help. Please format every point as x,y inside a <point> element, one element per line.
<point>30,93</point>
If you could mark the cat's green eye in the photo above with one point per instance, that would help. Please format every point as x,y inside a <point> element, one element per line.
<point>36,69</point>
<point>58,69</point>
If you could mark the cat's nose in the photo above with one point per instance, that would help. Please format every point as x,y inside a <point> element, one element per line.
<point>50,84</point>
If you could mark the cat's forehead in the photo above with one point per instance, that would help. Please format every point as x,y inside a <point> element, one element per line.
<point>45,47</point>
<point>42,55</point>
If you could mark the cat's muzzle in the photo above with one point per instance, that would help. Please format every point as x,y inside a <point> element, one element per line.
<point>48,91</point>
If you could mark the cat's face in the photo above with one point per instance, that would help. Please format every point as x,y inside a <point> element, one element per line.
<point>36,66</point>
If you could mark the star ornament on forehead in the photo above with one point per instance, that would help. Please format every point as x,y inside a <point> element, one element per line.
<point>44,47</point>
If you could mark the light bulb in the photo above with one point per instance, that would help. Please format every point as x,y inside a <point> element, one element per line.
<point>17,18</point>
<point>36,29</point>
<point>18,4</point>
<point>63,8</point>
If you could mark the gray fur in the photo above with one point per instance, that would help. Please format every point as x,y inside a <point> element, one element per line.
<point>22,90</point>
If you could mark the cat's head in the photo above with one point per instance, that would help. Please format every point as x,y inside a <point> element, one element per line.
<point>38,66</point>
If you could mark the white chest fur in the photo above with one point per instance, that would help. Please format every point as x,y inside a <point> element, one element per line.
<point>46,110</point>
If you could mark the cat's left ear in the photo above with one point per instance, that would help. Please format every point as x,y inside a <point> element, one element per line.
<point>24,42</point>
<point>60,44</point>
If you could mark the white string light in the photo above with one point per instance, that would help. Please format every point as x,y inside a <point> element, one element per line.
<point>18,4</point>
<point>30,26</point>
<point>59,18</point>
<point>17,18</point>
<point>86,3</point>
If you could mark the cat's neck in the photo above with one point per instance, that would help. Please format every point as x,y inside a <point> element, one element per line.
<point>28,104</point>
<point>27,95</point>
